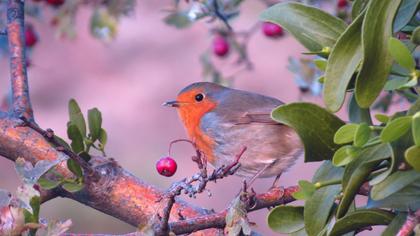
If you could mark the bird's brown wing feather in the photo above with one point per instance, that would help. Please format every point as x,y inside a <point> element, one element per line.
<point>248,117</point>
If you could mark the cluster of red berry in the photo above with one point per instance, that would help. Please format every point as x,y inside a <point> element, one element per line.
<point>221,44</point>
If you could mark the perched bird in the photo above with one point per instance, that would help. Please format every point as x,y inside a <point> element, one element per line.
<point>221,121</point>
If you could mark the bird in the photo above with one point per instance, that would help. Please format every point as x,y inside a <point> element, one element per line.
<point>221,121</point>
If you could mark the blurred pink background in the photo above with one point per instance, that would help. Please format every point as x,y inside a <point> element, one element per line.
<point>128,80</point>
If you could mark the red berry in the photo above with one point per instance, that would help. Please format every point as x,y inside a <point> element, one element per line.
<point>342,3</point>
<point>220,46</point>
<point>272,30</point>
<point>166,166</point>
<point>30,36</point>
<point>55,3</point>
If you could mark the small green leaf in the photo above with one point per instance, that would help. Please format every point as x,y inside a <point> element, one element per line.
<point>358,114</point>
<point>415,37</point>
<point>76,117</point>
<point>360,219</point>
<point>343,61</point>
<point>416,128</point>
<point>62,142</point>
<point>180,20</point>
<point>412,156</point>
<point>95,123</point>
<point>341,156</point>
<point>376,31</point>
<point>405,198</point>
<point>315,126</point>
<point>48,184</point>
<point>362,135</point>
<point>345,134</point>
<point>396,82</point>
<point>74,134</point>
<point>314,28</point>
<point>306,189</point>
<point>405,12</point>
<point>382,118</point>
<point>396,128</point>
<point>401,54</point>
<point>103,137</point>
<point>286,219</point>
<point>73,187</point>
<point>394,183</point>
<point>74,167</point>
<point>321,64</point>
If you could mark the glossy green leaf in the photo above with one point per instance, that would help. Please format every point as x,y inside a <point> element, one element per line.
<point>48,184</point>
<point>345,134</point>
<point>321,64</point>
<point>376,31</point>
<point>394,183</point>
<point>315,126</point>
<point>405,12</point>
<point>362,135</point>
<point>396,82</point>
<point>74,167</point>
<point>286,219</point>
<point>391,164</point>
<point>314,28</point>
<point>76,117</point>
<point>341,156</point>
<point>343,61</point>
<point>95,123</point>
<point>318,207</point>
<point>415,37</point>
<point>396,128</point>
<point>103,137</point>
<point>76,138</point>
<point>72,187</point>
<point>306,189</point>
<point>401,54</point>
<point>395,225</point>
<point>360,219</point>
<point>416,128</point>
<point>412,156</point>
<point>358,7</point>
<point>358,114</point>
<point>382,118</point>
<point>405,198</point>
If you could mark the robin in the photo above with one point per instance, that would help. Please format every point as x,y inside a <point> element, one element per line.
<point>221,121</point>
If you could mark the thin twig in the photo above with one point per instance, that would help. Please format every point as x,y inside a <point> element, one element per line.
<point>413,219</point>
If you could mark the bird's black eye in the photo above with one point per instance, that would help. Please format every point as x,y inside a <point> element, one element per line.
<point>199,97</point>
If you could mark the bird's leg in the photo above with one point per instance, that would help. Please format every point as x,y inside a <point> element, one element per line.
<point>258,174</point>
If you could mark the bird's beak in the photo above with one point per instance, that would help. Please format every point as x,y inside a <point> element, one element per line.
<point>171,104</point>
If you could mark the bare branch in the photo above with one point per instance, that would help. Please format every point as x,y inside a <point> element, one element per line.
<point>19,78</point>
<point>413,219</point>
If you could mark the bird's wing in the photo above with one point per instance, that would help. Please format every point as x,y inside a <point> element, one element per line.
<point>254,117</point>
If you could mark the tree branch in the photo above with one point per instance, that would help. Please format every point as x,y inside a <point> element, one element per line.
<point>19,79</point>
<point>413,219</point>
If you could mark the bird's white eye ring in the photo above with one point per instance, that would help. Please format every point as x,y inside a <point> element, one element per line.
<point>199,97</point>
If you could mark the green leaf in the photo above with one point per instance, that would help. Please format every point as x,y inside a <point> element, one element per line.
<point>103,24</point>
<point>314,28</point>
<point>306,189</point>
<point>406,198</point>
<point>74,134</point>
<point>343,61</point>
<point>412,156</point>
<point>376,31</point>
<point>95,123</point>
<point>360,219</point>
<point>73,187</point>
<point>358,7</point>
<point>48,184</point>
<point>391,165</point>
<point>415,107</point>
<point>103,137</point>
<point>315,126</point>
<point>401,54</point>
<point>62,142</point>
<point>396,128</point>
<point>382,118</point>
<point>416,128</point>
<point>286,219</point>
<point>394,183</point>
<point>395,225</point>
<point>179,20</point>
<point>74,167</point>
<point>405,12</point>
<point>358,114</point>
<point>362,135</point>
<point>321,64</point>
<point>76,117</point>
<point>318,207</point>
<point>341,156</point>
<point>415,37</point>
<point>345,134</point>
<point>396,82</point>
